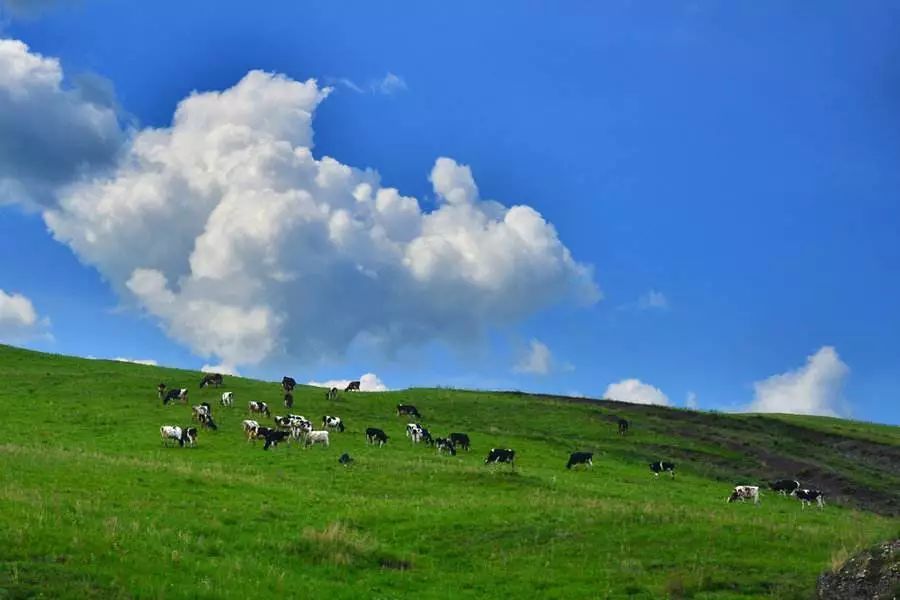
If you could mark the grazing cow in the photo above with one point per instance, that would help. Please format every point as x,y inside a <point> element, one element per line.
<point>501,455</point>
<point>258,407</point>
<point>353,386</point>
<point>228,399</point>
<point>187,435</point>
<point>745,492</point>
<point>329,422</point>
<point>288,400</point>
<point>425,436</point>
<point>663,467</point>
<point>175,394</point>
<point>288,384</point>
<point>408,409</point>
<point>809,496</point>
<point>261,432</point>
<point>445,445</point>
<point>376,436</point>
<point>211,379</point>
<point>317,437</point>
<point>199,410</point>
<point>460,440</point>
<point>331,394</point>
<point>413,431</point>
<point>273,437</point>
<point>250,426</point>
<point>580,458</point>
<point>345,459</point>
<point>623,426</point>
<point>785,486</point>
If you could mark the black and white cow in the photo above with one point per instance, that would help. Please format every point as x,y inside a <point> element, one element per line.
<point>580,458</point>
<point>329,422</point>
<point>809,496</point>
<point>288,400</point>
<point>250,426</point>
<point>353,386</point>
<point>180,394</point>
<point>745,492</point>
<point>425,437</point>
<point>288,383</point>
<point>199,409</point>
<point>260,433</point>
<point>414,432</point>
<point>273,437</point>
<point>376,436</point>
<point>460,440</point>
<point>214,379</point>
<point>623,426</point>
<point>186,435</point>
<point>501,455</point>
<point>260,408</point>
<point>662,467</point>
<point>408,409</point>
<point>785,486</point>
<point>331,394</point>
<point>228,399</point>
<point>445,445</point>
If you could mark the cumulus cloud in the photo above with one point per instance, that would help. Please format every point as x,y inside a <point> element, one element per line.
<point>636,392</point>
<point>537,361</point>
<point>149,362</point>
<point>227,229</point>
<point>19,321</point>
<point>51,134</point>
<point>223,369</point>
<point>367,383</point>
<point>813,389</point>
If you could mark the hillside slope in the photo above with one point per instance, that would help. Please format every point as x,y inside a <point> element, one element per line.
<point>92,504</point>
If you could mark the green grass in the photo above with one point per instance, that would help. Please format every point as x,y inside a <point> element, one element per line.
<point>93,506</point>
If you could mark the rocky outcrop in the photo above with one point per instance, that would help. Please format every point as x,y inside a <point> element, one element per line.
<point>873,574</point>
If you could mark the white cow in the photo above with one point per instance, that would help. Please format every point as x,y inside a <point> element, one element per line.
<point>745,492</point>
<point>317,437</point>
<point>228,399</point>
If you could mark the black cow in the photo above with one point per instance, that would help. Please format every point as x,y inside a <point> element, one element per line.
<point>785,486</point>
<point>289,400</point>
<point>262,432</point>
<point>662,467</point>
<point>460,440</point>
<point>288,384</point>
<point>174,394</point>
<point>580,458</point>
<point>623,426</point>
<point>376,436</point>
<point>215,379</point>
<point>425,436</point>
<point>345,459</point>
<point>810,496</point>
<point>408,409</point>
<point>353,386</point>
<point>273,437</point>
<point>445,445</point>
<point>501,455</point>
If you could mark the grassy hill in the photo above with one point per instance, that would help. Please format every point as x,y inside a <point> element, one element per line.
<point>92,504</point>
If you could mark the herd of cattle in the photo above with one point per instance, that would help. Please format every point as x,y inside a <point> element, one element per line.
<point>292,428</point>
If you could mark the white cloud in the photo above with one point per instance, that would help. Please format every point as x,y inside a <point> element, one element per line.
<point>690,401</point>
<point>537,361</point>
<point>19,321</point>
<point>138,361</point>
<point>636,392</point>
<point>653,300</point>
<point>51,134</point>
<point>223,369</point>
<point>387,85</point>
<point>244,246</point>
<point>813,389</point>
<point>367,383</point>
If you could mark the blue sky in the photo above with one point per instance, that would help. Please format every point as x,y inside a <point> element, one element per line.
<point>727,171</point>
